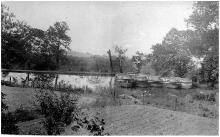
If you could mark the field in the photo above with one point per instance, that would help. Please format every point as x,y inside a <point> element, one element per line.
<point>25,97</point>
<point>146,120</point>
<point>159,111</point>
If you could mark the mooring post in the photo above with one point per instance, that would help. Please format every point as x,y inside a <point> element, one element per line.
<point>27,79</point>
<point>56,79</point>
<point>110,59</point>
<point>114,96</point>
<point>175,104</point>
<point>10,80</point>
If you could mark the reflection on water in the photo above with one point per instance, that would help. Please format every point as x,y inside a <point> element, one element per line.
<point>74,80</point>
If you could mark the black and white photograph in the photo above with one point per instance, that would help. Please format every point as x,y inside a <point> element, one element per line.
<point>110,68</point>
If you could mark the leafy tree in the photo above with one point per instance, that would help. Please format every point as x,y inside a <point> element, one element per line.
<point>205,15</point>
<point>13,43</point>
<point>120,55</point>
<point>58,39</point>
<point>138,60</point>
<point>172,56</point>
<point>205,21</point>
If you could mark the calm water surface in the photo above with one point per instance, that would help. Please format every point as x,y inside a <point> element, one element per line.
<point>74,80</point>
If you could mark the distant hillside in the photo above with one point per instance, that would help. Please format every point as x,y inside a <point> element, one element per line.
<point>79,54</point>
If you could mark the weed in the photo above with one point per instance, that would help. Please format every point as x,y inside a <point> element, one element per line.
<point>205,96</point>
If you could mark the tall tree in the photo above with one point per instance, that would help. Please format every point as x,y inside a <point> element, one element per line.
<point>205,21</point>
<point>13,39</point>
<point>121,56</point>
<point>205,15</point>
<point>59,40</point>
<point>172,56</point>
<point>139,60</point>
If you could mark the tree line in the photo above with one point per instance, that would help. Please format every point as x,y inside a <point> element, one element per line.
<point>173,56</point>
<point>32,48</point>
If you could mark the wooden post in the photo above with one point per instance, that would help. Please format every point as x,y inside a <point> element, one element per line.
<point>175,104</point>
<point>10,80</point>
<point>110,59</point>
<point>114,97</point>
<point>56,79</point>
<point>27,79</point>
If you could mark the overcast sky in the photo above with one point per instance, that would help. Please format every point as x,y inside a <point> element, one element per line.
<point>96,26</point>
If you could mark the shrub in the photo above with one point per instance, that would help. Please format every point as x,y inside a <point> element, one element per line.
<point>43,81</point>
<point>8,121</point>
<point>59,112</point>
<point>94,125</point>
<point>21,114</point>
<point>62,110</point>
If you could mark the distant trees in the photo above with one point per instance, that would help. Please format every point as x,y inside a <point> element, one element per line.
<point>25,47</point>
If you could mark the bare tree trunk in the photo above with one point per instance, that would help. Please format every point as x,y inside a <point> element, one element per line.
<point>120,66</point>
<point>57,56</point>
<point>110,59</point>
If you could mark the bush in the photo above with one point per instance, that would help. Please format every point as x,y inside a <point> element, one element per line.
<point>94,125</point>
<point>43,81</point>
<point>59,112</point>
<point>8,121</point>
<point>21,114</point>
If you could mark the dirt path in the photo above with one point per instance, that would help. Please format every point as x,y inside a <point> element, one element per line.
<point>145,120</point>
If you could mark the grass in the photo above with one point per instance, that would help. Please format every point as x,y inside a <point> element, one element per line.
<point>194,101</point>
<point>172,99</point>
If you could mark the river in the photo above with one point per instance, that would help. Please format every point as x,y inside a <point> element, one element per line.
<point>73,80</point>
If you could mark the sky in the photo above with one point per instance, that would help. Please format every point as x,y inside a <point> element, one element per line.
<point>97,26</point>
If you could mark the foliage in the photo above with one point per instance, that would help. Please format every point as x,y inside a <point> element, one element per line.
<point>204,20</point>
<point>24,47</point>
<point>59,112</point>
<point>139,60</point>
<point>58,39</point>
<point>13,41</point>
<point>205,15</point>
<point>43,80</point>
<point>120,55</point>
<point>8,121</point>
<point>205,96</point>
<point>108,96</point>
<point>210,70</point>
<point>172,55</point>
<point>94,125</point>
<point>21,114</point>
<point>3,104</point>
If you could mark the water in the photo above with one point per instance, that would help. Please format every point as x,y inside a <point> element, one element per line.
<point>73,80</point>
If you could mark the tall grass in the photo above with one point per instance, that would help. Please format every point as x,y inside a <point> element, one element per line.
<point>107,96</point>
